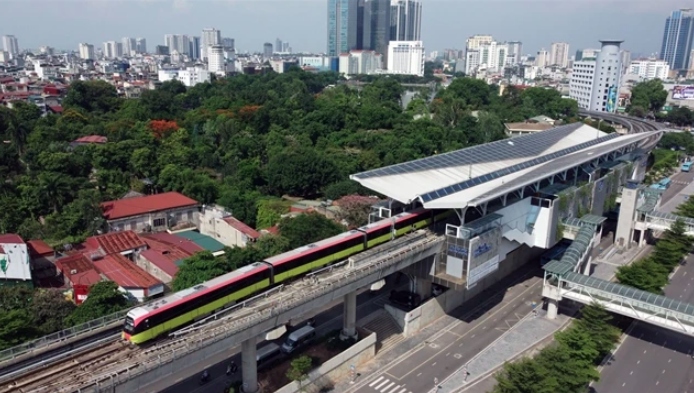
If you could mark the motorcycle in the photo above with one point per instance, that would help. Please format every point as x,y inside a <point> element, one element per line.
<point>204,378</point>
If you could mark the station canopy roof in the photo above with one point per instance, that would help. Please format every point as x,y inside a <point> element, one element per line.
<point>478,174</point>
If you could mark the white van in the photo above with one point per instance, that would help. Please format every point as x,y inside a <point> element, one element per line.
<point>297,338</point>
<point>267,352</point>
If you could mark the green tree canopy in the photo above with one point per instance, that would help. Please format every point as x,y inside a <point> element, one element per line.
<point>104,299</point>
<point>648,96</point>
<point>308,228</point>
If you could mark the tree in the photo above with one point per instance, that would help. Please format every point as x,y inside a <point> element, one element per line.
<point>270,211</point>
<point>50,309</point>
<point>104,299</point>
<point>298,370</point>
<point>303,172</point>
<point>525,376</point>
<point>308,228</point>
<point>597,322</point>
<point>16,327</point>
<point>92,96</point>
<point>200,267</point>
<point>355,209</point>
<point>649,95</point>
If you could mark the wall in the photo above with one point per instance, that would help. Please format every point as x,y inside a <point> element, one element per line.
<point>515,228</point>
<point>152,269</point>
<point>338,367</point>
<point>15,262</point>
<point>141,223</point>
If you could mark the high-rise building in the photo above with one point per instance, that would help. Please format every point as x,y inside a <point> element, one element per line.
<point>342,26</point>
<point>595,82</point>
<point>406,57</point>
<point>209,37</point>
<point>376,25</point>
<point>650,68</point>
<point>113,49</point>
<point>177,42</point>
<point>492,55</point>
<point>267,50</point>
<point>625,57</point>
<point>515,51</point>
<point>559,54</point>
<point>194,48</point>
<point>141,45</point>
<point>474,42</point>
<point>129,46</point>
<point>278,45</point>
<point>542,58</point>
<point>215,59</point>
<point>228,44</point>
<point>286,48</point>
<point>405,20</point>
<point>10,45</point>
<point>86,51</point>
<point>677,39</point>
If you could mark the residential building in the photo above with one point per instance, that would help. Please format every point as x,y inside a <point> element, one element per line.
<point>595,83</point>
<point>678,38</point>
<point>492,55</point>
<point>177,43</point>
<point>472,61</point>
<point>113,49</point>
<point>286,48</point>
<point>406,57</point>
<point>218,223</point>
<point>405,20</point>
<point>526,127</point>
<point>47,50</point>
<point>267,50</point>
<point>86,51</point>
<point>281,66</point>
<point>10,45</point>
<point>215,61</point>
<point>15,264</point>
<point>229,44</point>
<point>348,64</point>
<point>542,59</point>
<point>194,48</point>
<point>78,273</point>
<point>474,42</point>
<point>320,63</point>
<point>650,68</point>
<point>376,23</point>
<point>189,76</point>
<point>209,37</point>
<point>559,54</point>
<point>515,51</point>
<point>129,46</point>
<point>161,259</point>
<point>151,213</point>
<point>342,32</point>
<point>586,53</point>
<point>278,45</point>
<point>625,56</point>
<point>141,45</point>
<point>360,62</point>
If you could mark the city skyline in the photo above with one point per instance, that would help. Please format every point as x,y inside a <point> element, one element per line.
<point>441,27</point>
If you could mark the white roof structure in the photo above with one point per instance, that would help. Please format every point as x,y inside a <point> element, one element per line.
<point>478,174</point>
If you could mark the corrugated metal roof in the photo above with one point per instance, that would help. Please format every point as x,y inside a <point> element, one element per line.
<point>201,240</point>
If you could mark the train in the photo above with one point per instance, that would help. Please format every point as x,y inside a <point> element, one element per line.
<point>147,322</point>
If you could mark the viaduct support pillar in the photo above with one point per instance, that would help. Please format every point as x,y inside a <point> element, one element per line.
<point>422,287</point>
<point>552,308</point>
<point>249,366</point>
<point>349,316</point>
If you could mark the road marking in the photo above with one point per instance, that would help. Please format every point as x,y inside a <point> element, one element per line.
<point>376,381</point>
<point>656,383</point>
<point>419,374</point>
<point>624,384</point>
<point>644,351</point>
<point>433,364</point>
<point>663,371</point>
<point>638,362</point>
<point>387,387</point>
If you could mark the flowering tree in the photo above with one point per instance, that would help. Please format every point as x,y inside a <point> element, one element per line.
<point>355,209</point>
<point>161,127</point>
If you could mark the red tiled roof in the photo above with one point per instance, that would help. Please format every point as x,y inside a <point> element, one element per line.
<point>273,230</point>
<point>242,227</point>
<point>56,108</point>
<point>78,269</point>
<point>2,250</point>
<point>91,139</point>
<point>184,244</point>
<point>163,260</point>
<point>151,203</point>
<point>39,248</point>
<point>115,242</point>
<point>124,272</point>
<point>11,238</point>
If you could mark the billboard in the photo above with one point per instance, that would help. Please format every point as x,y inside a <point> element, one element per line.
<point>483,255</point>
<point>683,93</point>
<point>611,99</point>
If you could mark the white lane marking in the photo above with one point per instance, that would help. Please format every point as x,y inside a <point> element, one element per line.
<point>376,381</point>
<point>380,385</point>
<point>387,387</point>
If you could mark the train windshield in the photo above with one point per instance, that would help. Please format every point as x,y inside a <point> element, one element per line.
<point>129,325</point>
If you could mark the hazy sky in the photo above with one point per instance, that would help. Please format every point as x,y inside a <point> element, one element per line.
<point>446,23</point>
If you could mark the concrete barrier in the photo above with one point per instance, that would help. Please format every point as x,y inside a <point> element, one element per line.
<point>336,368</point>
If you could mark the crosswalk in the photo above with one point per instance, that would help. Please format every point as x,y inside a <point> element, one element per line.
<point>680,182</point>
<point>385,385</point>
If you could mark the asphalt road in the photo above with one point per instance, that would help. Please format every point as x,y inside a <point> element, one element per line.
<point>415,372</point>
<point>329,319</point>
<point>653,359</point>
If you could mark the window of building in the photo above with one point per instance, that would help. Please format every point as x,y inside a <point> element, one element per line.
<point>159,222</point>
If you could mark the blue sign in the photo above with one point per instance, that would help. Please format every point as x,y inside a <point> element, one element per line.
<point>457,251</point>
<point>611,99</point>
<point>482,249</point>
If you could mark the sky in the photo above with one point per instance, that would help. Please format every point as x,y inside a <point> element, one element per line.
<point>446,23</point>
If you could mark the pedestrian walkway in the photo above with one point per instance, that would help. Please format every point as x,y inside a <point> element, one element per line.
<point>385,385</point>
<point>388,332</point>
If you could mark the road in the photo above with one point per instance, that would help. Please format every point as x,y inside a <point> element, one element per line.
<point>329,319</point>
<point>456,345</point>
<point>652,359</point>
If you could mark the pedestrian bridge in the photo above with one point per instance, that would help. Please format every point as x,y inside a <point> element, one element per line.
<point>663,221</point>
<point>621,299</point>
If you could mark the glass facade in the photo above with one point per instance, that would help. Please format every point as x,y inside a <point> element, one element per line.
<point>677,39</point>
<point>342,26</point>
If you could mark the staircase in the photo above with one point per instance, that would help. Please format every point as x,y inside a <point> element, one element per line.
<point>388,333</point>
<point>532,218</point>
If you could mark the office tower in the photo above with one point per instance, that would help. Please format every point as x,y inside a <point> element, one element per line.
<point>141,45</point>
<point>595,82</point>
<point>278,45</point>
<point>515,51</point>
<point>286,48</point>
<point>542,58</point>
<point>342,26</point>
<point>161,50</point>
<point>10,45</point>
<point>194,48</point>
<point>86,51</point>
<point>215,59</point>
<point>405,20</point>
<point>229,44</point>
<point>129,46</point>
<point>177,42</point>
<point>210,36</point>
<point>625,57</point>
<point>375,26</point>
<point>559,54</point>
<point>267,50</point>
<point>406,57</point>
<point>691,60</point>
<point>677,39</point>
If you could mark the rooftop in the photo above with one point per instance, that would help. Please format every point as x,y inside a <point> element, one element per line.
<point>78,269</point>
<point>130,207</point>
<point>39,248</point>
<point>184,244</point>
<point>242,227</point>
<point>478,174</point>
<point>115,242</point>
<point>125,273</point>
<point>206,242</point>
<point>91,139</point>
<point>11,238</point>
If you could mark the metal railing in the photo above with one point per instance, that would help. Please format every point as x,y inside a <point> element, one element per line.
<point>291,297</point>
<point>29,346</point>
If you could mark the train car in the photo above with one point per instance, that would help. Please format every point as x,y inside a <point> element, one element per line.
<point>378,232</point>
<point>413,220</point>
<point>178,309</point>
<point>313,256</point>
